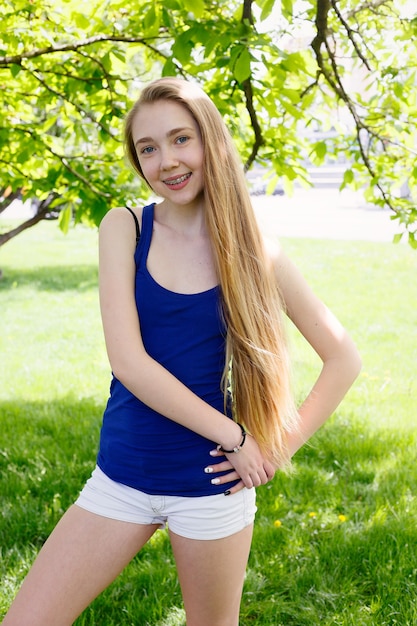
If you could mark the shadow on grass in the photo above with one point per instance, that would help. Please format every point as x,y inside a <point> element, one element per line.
<point>47,451</point>
<point>47,278</point>
<point>334,543</point>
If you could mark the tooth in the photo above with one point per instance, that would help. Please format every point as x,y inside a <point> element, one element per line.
<point>178,180</point>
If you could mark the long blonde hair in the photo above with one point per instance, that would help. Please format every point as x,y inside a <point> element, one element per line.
<point>257,370</point>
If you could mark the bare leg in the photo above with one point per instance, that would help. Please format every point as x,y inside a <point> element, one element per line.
<point>83,555</point>
<point>211,574</point>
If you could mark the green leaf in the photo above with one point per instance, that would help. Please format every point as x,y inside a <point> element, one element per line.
<point>24,155</point>
<point>182,48</point>
<point>398,90</point>
<point>287,8</point>
<point>397,238</point>
<point>266,8</point>
<point>15,69</point>
<point>242,69</point>
<point>194,6</point>
<point>64,219</point>
<point>169,69</point>
<point>288,185</point>
<point>321,149</point>
<point>81,20</point>
<point>412,240</point>
<point>151,21</point>
<point>348,177</point>
<point>49,122</point>
<point>271,185</point>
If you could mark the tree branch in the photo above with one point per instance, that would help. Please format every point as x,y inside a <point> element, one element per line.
<point>63,97</point>
<point>350,35</point>
<point>7,196</point>
<point>259,140</point>
<point>248,91</point>
<point>41,214</point>
<point>323,7</point>
<point>332,76</point>
<point>370,6</point>
<point>247,11</point>
<point>80,177</point>
<point>37,52</point>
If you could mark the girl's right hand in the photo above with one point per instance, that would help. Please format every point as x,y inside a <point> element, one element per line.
<point>248,465</point>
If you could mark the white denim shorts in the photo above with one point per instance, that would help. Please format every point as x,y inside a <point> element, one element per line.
<point>202,517</point>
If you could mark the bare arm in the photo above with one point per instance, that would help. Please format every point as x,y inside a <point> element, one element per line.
<point>141,374</point>
<point>340,358</point>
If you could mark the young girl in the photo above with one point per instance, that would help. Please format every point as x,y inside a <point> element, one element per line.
<point>200,405</point>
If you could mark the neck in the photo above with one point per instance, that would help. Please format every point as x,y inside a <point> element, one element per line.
<point>186,219</point>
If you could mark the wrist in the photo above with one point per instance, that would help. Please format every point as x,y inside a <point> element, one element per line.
<point>237,444</point>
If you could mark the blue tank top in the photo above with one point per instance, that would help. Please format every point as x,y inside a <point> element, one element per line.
<point>186,334</point>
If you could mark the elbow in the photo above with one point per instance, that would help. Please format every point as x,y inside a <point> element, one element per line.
<point>124,371</point>
<point>119,372</point>
<point>346,360</point>
<point>357,365</point>
<point>354,363</point>
<point>129,367</point>
<point>121,368</point>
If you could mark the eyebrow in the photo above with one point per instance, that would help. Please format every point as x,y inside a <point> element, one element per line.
<point>170,133</point>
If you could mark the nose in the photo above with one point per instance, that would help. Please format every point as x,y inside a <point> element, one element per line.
<point>169,159</point>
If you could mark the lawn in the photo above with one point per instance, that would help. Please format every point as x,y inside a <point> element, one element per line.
<point>335,541</point>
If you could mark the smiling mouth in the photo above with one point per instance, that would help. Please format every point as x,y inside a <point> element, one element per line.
<point>177,181</point>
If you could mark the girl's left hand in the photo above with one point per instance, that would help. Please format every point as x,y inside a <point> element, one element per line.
<point>232,475</point>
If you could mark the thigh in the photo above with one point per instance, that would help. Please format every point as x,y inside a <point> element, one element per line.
<point>211,574</point>
<point>83,555</point>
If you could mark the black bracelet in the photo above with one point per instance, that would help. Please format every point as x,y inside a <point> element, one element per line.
<point>238,447</point>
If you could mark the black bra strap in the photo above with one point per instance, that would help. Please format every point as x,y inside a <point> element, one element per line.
<point>136,224</point>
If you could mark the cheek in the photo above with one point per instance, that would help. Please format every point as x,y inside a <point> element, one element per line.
<point>201,159</point>
<point>146,173</point>
<point>148,170</point>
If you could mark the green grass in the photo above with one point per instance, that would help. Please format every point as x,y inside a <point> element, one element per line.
<point>335,542</point>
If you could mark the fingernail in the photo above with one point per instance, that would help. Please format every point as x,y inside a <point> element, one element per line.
<point>208,470</point>
<point>227,492</point>
<point>213,452</point>
<point>215,481</point>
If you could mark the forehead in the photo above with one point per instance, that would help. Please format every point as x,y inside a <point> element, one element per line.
<point>158,118</point>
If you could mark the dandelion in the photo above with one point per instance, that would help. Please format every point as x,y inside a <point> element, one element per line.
<point>312,514</point>
<point>277,523</point>
<point>342,518</point>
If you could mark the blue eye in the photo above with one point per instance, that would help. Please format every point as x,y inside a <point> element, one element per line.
<point>182,139</point>
<point>147,150</point>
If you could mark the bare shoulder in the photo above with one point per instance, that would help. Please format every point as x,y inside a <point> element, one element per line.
<point>120,216</point>
<point>290,280</point>
<point>275,255</point>
<point>118,225</point>
<point>272,247</point>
